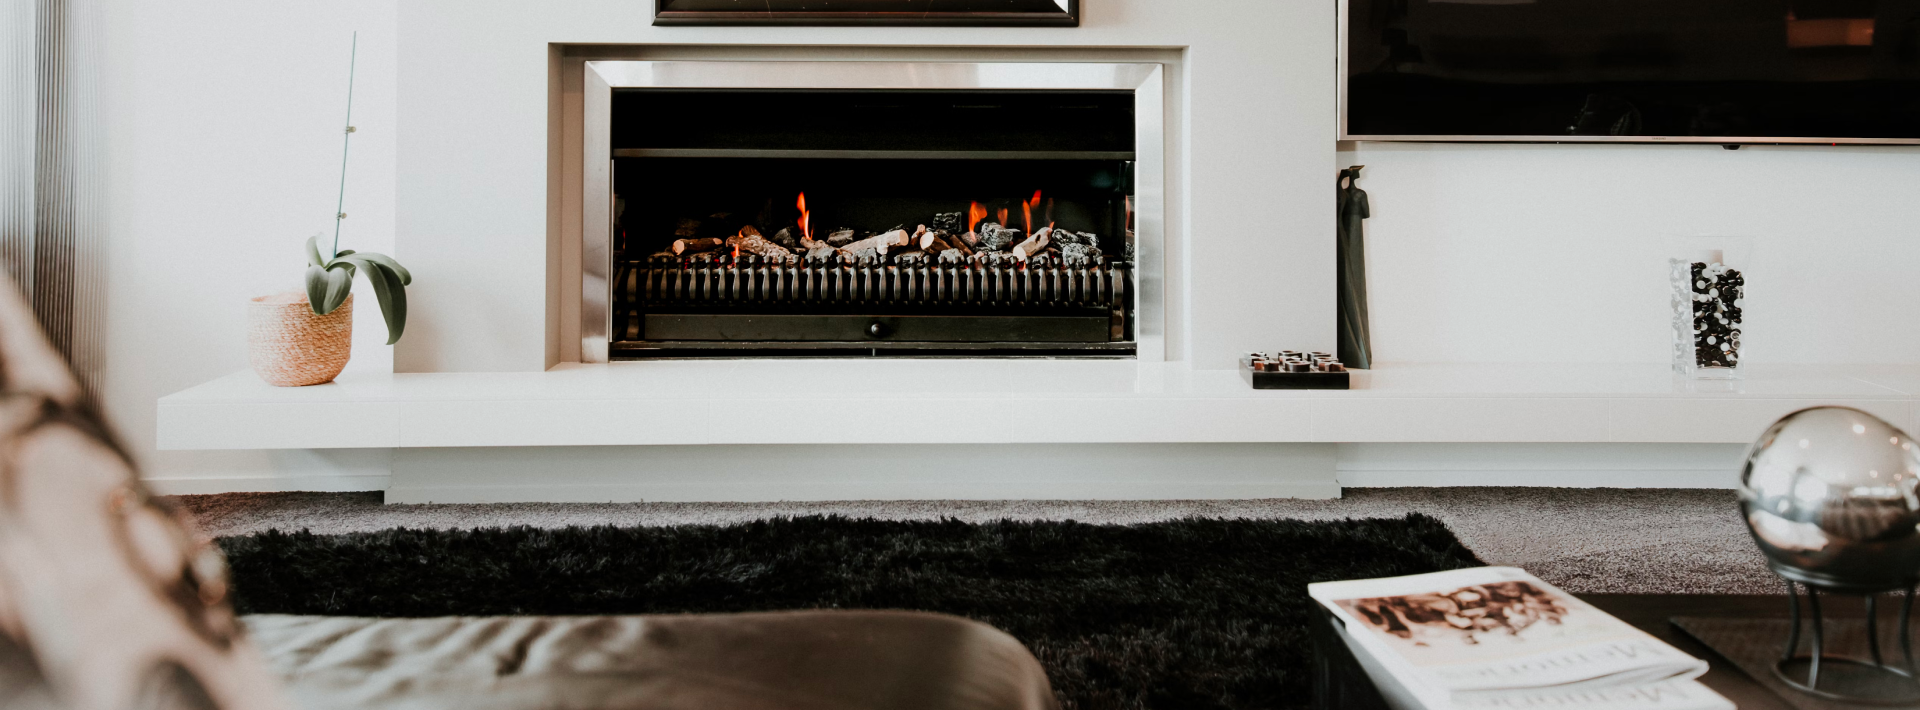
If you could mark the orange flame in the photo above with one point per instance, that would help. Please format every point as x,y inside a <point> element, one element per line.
<point>736,252</point>
<point>806,230</point>
<point>975,213</point>
<point>1026,211</point>
<point>1003,216</point>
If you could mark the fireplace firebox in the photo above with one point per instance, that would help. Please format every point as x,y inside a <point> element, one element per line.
<point>870,220</point>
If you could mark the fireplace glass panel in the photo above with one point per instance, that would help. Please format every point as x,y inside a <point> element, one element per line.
<point>873,120</point>
<point>819,222</point>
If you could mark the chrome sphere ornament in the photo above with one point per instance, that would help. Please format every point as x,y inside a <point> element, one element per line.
<point>1829,494</point>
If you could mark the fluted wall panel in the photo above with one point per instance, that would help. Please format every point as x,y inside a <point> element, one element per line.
<point>52,212</point>
<point>18,97</point>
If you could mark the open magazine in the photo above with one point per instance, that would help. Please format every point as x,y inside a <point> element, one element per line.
<point>1497,637</point>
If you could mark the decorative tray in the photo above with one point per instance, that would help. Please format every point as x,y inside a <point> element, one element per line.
<point>1293,370</point>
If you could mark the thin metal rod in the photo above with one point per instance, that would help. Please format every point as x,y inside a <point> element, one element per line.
<point>1793,616</point>
<point>340,205</point>
<point>1873,629</point>
<point>1813,667</point>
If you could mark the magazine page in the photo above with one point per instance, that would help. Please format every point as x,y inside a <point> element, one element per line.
<point>1665,695</point>
<point>1488,629</point>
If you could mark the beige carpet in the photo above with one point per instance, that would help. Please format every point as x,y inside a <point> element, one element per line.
<point>1586,540</point>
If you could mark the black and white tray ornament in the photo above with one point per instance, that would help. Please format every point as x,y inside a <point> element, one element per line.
<point>1293,370</point>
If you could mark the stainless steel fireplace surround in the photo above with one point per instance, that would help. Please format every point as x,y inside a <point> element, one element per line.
<point>828,297</point>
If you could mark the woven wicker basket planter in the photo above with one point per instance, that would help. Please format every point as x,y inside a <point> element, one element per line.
<point>289,346</point>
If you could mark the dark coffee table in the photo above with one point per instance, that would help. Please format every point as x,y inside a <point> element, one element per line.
<point>1340,683</point>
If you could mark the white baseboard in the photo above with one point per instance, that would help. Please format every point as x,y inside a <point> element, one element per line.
<point>939,472</point>
<point>832,472</point>
<point>828,491</point>
<point>1542,465</point>
<point>268,471</point>
<point>267,484</point>
<point>1592,478</point>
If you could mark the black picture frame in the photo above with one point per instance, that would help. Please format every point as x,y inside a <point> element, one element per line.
<point>831,13</point>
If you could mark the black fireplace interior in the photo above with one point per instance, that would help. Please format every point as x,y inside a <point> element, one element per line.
<point>872,223</point>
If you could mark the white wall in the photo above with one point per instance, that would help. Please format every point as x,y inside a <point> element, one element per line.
<point>1557,253</point>
<point>225,129</point>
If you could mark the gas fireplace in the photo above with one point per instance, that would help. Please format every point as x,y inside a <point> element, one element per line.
<point>772,208</point>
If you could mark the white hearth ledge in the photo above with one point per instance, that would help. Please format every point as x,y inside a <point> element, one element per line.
<point>933,401</point>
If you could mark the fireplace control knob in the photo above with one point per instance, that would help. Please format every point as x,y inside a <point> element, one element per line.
<point>877,329</point>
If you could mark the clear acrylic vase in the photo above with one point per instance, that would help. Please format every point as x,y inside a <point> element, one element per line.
<point>1708,296</point>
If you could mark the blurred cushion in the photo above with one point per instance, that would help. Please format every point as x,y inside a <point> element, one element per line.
<point>107,599</point>
<point>800,660</point>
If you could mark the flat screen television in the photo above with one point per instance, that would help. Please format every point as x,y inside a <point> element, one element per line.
<point>1702,71</point>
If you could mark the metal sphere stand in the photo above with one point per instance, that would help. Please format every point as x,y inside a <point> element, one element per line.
<point>1850,679</point>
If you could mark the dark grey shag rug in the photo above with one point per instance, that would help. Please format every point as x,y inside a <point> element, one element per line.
<point>1192,613</point>
<point>1585,540</point>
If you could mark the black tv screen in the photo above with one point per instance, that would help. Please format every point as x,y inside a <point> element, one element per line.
<point>1732,71</point>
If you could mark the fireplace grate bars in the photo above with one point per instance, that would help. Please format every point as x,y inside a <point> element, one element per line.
<point>732,299</point>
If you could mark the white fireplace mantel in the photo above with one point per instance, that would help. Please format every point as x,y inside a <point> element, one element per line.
<point>908,401</point>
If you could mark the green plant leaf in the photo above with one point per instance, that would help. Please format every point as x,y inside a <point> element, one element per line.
<point>317,288</point>
<point>328,286</point>
<point>313,251</point>
<point>389,289</point>
<point>339,284</point>
<point>393,302</point>
<point>330,281</point>
<point>406,278</point>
